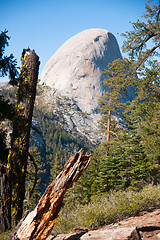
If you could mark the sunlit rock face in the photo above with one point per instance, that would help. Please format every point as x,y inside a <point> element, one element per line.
<point>75,70</point>
<point>74,76</point>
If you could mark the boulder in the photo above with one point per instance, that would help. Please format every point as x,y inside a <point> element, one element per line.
<point>144,226</point>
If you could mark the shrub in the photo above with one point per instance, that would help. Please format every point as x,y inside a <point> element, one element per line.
<point>107,208</point>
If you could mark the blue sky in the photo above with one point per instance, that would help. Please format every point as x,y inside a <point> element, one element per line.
<point>44,25</point>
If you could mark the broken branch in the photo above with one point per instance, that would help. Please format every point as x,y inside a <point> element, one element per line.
<point>39,223</point>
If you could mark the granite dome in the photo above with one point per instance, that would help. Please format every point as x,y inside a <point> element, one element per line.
<point>75,70</point>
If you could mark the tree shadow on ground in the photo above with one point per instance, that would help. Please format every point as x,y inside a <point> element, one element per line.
<point>74,236</point>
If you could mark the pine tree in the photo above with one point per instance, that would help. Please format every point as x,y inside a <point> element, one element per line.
<point>6,113</point>
<point>8,67</point>
<point>144,113</point>
<point>125,165</point>
<point>97,156</point>
<point>136,43</point>
<point>143,45</point>
<point>33,179</point>
<point>56,168</point>
<point>119,74</point>
<point>132,157</point>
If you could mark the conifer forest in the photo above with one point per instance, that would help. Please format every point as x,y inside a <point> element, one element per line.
<point>127,159</point>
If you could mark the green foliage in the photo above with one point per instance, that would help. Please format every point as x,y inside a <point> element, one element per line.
<point>94,169</point>
<point>6,113</point>
<point>8,65</point>
<point>6,235</point>
<point>7,109</point>
<point>56,168</point>
<point>106,208</point>
<point>117,77</point>
<point>124,166</point>
<point>58,141</point>
<point>137,40</point>
<point>33,190</point>
<point>130,157</point>
<point>144,111</point>
<point>80,192</point>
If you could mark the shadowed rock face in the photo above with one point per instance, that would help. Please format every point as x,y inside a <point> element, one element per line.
<point>75,70</point>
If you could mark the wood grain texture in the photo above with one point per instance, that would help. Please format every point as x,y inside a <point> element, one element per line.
<point>39,223</point>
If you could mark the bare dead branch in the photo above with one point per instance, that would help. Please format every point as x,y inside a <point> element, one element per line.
<point>39,223</point>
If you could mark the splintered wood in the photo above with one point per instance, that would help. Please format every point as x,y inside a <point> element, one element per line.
<point>39,223</point>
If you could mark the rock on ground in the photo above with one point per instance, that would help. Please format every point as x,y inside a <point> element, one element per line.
<point>146,226</point>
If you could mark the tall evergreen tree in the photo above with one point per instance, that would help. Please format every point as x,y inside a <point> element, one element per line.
<point>33,178</point>
<point>133,155</point>
<point>8,67</point>
<point>124,166</point>
<point>148,31</point>
<point>143,45</point>
<point>56,168</point>
<point>6,113</point>
<point>118,76</point>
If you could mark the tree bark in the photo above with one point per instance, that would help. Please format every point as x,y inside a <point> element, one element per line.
<point>5,198</point>
<point>18,153</point>
<point>39,223</point>
<point>109,122</point>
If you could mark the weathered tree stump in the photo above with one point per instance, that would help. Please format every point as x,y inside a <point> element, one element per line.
<point>39,223</point>
<point>18,153</point>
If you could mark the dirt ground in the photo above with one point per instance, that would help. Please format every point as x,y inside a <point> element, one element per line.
<point>145,226</point>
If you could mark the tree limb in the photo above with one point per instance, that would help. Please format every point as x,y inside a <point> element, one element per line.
<point>35,179</point>
<point>39,223</point>
<point>36,130</point>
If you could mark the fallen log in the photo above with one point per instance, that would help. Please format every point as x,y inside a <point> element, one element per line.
<point>39,223</point>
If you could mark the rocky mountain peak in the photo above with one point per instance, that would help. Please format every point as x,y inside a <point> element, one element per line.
<point>74,76</point>
<point>75,70</point>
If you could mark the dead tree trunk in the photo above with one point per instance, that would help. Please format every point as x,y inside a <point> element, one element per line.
<point>39,223</point>
<point>108,125</point>
<point>5,198</point>
<point>18,153</point>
